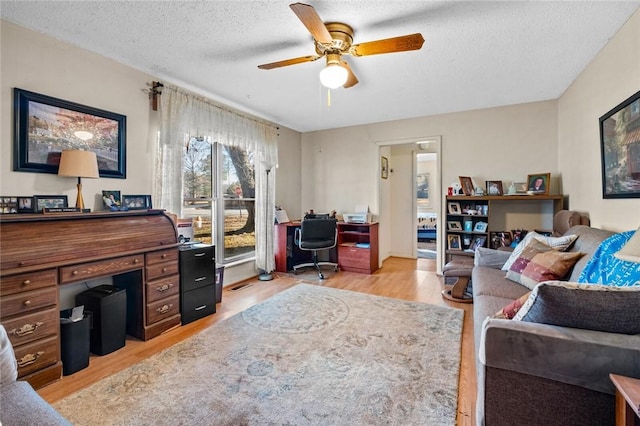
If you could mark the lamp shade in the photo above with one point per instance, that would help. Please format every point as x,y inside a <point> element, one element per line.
<point>78,163</point>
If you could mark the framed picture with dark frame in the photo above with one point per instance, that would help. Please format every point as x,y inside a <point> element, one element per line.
<point>44,126</point>
<point>500,239</point>
<point>111,200</point>
<point>453,242</point>
<point>136,202</point>
<point>25,204</point>
<point>538,183</point>
<point>384,167</point>
<point>620,149</point>
<point>494,187</point>
<point>41,202</point>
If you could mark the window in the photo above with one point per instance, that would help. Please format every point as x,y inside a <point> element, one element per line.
<point>219,196</point>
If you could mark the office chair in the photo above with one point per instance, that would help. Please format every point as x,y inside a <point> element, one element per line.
<point>313,235</point>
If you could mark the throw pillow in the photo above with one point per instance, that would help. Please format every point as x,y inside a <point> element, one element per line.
<point>490,257</point>
<point>539,262</point>
<point>631,250</point>
<point>606,269</point>
<point>588,306</point>
<point>557,243</point>
<point>510,311</point>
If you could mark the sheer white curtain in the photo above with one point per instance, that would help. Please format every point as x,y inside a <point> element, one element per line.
<point>184,114</point>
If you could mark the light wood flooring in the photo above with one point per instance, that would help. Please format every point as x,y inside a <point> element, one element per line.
<point>399,278</point>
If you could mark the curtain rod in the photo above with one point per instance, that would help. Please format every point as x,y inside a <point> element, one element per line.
<point>156,88</point>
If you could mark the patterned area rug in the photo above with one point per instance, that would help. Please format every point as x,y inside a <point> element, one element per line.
<point>307,356</point>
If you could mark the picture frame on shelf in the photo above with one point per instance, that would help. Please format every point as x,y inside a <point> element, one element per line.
<point>384,167</point>
<point>538,183</point>
<point>454,242</point>
<point>25,204</point>
<point>480,227</point>
<point>478,241</point>
<point>454,225</point>
<point>521,187</point>
<point>111,200</point>
<point>44,126</point>
<point>500,239</point>
<point>136,202</point>
<point>619,145</point>
<point>453,207</point>
<point>8,205</point>
<point>494,187</point>
<point>467,185</point>
<point>41,202</point>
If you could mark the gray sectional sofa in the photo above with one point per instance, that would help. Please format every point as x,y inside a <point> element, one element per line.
<point>538,374</point>
<point>20,404</point>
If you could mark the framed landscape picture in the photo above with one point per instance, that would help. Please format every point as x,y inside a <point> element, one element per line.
<point>620,150</point>
<point>44,126</point>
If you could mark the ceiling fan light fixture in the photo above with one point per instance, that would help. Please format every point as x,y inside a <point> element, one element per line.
<point>333,76</point>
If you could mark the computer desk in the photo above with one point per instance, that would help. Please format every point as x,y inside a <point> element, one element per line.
<point>288,254</point>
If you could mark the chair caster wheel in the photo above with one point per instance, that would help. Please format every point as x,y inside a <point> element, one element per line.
<point>295,272</point>
<point>321,276</point>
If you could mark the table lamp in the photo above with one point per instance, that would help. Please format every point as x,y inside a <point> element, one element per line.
<point>78,164</point>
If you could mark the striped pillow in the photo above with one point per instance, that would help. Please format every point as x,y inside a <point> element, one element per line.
<point>539,262</point>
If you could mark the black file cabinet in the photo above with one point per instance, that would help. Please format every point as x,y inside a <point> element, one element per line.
<point>197,282</point>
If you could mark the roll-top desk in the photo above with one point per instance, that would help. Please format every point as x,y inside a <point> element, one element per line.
<point>39,252</point>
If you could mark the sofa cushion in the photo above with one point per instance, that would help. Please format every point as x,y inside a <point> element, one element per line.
<point>492,282</point>
<point>631,250</point>
<point>490,257</point>
<point>587,306</point>
<point>539,262</point>
<point>606,269</point>
<point>556,243</point>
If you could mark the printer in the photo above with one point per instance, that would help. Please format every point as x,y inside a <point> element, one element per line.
<point>356,217</point>
<point>362,215</point>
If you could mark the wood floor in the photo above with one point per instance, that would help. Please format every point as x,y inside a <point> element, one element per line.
<point>399,278</point>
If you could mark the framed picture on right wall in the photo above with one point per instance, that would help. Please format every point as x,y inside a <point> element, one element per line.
<point>620,149</point>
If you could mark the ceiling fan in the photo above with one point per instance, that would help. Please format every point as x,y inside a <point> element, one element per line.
<point>333,40</point>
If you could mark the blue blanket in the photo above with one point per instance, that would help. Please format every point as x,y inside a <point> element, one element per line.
<point>606,269</point>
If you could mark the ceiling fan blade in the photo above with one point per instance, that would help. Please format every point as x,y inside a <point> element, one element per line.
<point>287,62</point>
<point>352,80</point>
<point>388,45</point>
<point>310,18</point>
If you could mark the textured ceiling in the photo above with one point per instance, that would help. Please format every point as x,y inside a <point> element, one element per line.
<point>476,54</point>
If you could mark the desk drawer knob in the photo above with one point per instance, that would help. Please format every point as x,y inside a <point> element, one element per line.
<point>29,359</point>
<point>164,256</point>
<point>75,273</point>
<point>27,302</point>
<point>136,261</point>
<point>164,269</point>
<point>26,329</point>
<point>165,308</point>
<point>26,282</point>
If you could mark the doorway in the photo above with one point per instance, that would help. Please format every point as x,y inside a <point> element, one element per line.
<point>426,215</point>
<point>398,197</point>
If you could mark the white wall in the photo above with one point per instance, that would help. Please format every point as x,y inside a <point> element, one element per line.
<point>610,78</point>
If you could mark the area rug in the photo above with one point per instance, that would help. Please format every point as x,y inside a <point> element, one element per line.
<point>309,355</point>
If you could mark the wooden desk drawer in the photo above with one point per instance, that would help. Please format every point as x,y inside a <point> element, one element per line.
<point>161,256</point>
<point>162,309</point>
<point>28,301</point>
<point>159,289</point>
<point>34,326</point>
<point>36,355</point>
<point>354,256</point>
<point>85,271</point>
<point>30,281</point>
<point>161,270</point>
